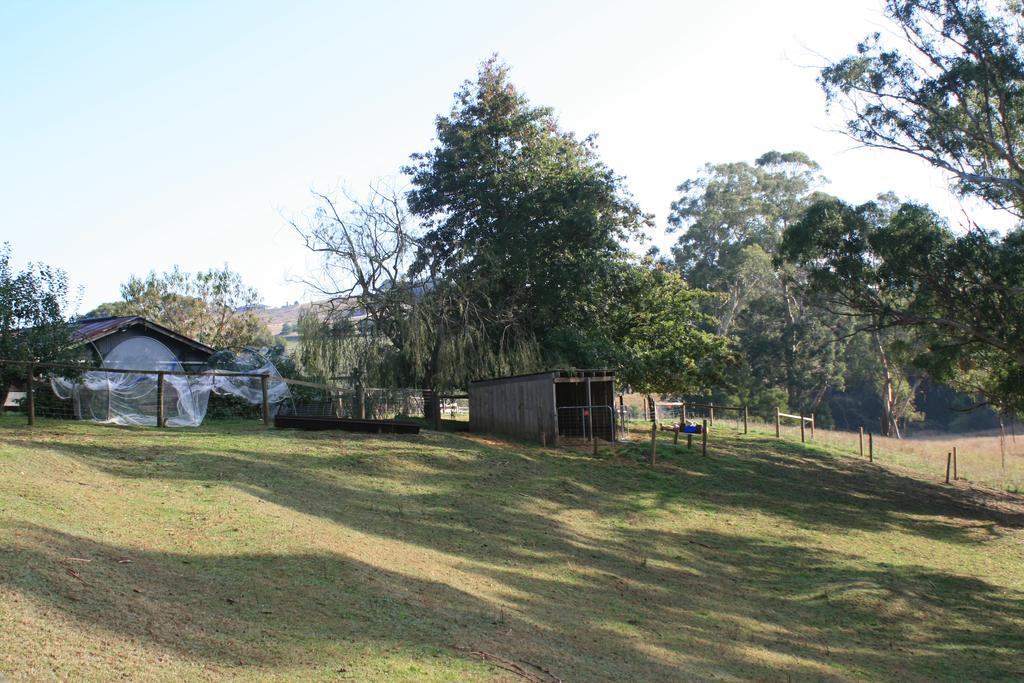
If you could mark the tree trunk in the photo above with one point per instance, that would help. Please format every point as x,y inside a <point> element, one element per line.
<point>429,381</point>
<point>890,419</point>
<point>789,344</point>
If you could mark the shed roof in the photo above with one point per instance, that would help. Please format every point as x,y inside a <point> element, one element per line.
<point>91,329</point>
<point>555,375</point>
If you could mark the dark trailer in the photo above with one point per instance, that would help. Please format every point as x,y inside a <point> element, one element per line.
<point>546,405</point>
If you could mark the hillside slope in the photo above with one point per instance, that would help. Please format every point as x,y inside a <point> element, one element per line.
<point>234,552</point>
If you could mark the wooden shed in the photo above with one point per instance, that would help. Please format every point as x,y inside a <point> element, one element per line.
<point>546,405</point>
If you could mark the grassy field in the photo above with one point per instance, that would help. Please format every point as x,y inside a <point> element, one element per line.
<point>982,458</point>
<point>235,552</point>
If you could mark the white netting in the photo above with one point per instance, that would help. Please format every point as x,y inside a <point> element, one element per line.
<point>130,398</point>
<point>249,389</point>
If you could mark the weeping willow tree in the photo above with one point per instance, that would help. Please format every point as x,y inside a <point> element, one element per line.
<point>386,327</point>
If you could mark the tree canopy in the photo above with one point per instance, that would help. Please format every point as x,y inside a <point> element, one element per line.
<point>215,307</point>
<point>949,90</point>
<point>730,219</point>
<point>962,293</point>
<point>33,318</point>
<point>512,257</point>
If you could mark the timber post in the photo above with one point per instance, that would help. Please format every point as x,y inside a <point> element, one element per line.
<point>161,415</point>
<point>30,394</point>
<point>745,417</point>
<point>871,447</point>
<point>778,425</point>
<point>861,435</point>
<point>949,460</point>
<point>704,439</point>
<point>682,415</point>
<point>802,439</point>
<point>590,415</point>
<point>265,390</point>
<point>711,413</point>
<point>812,426</point>
<point>654,442</point>
<point>954,464</point>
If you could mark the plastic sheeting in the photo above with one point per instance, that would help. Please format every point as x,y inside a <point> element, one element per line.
<point>130,398</point>
<point>249,389</point>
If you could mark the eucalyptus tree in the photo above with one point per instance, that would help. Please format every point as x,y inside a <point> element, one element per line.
<point>961,295</point>
<point>946,86</point>
<point>214,306</point>
<point>730,220</point>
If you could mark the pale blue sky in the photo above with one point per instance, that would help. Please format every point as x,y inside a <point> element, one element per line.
<point>137,136</point>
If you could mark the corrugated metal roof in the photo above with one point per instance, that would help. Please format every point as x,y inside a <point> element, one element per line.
<point>88,329</point>
<point>91,329</point>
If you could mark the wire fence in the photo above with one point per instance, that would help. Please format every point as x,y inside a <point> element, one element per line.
<point>585,423</point>
<point>676,414</point>
<point>179,398</point>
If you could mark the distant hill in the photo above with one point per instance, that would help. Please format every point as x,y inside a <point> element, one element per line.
<point>276,318</point>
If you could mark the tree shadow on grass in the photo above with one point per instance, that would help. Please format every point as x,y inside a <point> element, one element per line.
<point>702,605</point>
<point>818,490</point>
<point>626,603</point>
<point>257,611</point>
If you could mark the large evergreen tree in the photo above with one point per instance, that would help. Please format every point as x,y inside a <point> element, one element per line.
<point>517,211</point>
<point>524,243</point>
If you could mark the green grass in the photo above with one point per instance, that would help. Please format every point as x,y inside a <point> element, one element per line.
<point>236,552</point>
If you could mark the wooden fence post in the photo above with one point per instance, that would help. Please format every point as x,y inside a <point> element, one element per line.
<point>802,440</point>
<point>778,425</point>
<point>949,460</point>
<point>689,439</point>
<point>954,464</point>
<point>704,439</point>
<point>683,414</point>
<point>861,433</point>
<point>30,394</point>
<point>675,435</point>
<point>711,413</point>
<point>812,426</point>
<point>745,419</point>
<point>161,416</point>
<point>871,447</point>
<point>265,388</point>
<point>654,443</point>
<point>590,415</point>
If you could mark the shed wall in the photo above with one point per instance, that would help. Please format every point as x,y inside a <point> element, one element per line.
<point>520,407</point>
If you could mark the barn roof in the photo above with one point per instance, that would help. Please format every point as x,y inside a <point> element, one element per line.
<point>91,329</point>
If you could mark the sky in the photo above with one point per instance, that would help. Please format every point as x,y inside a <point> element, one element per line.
<point>139,136</point>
